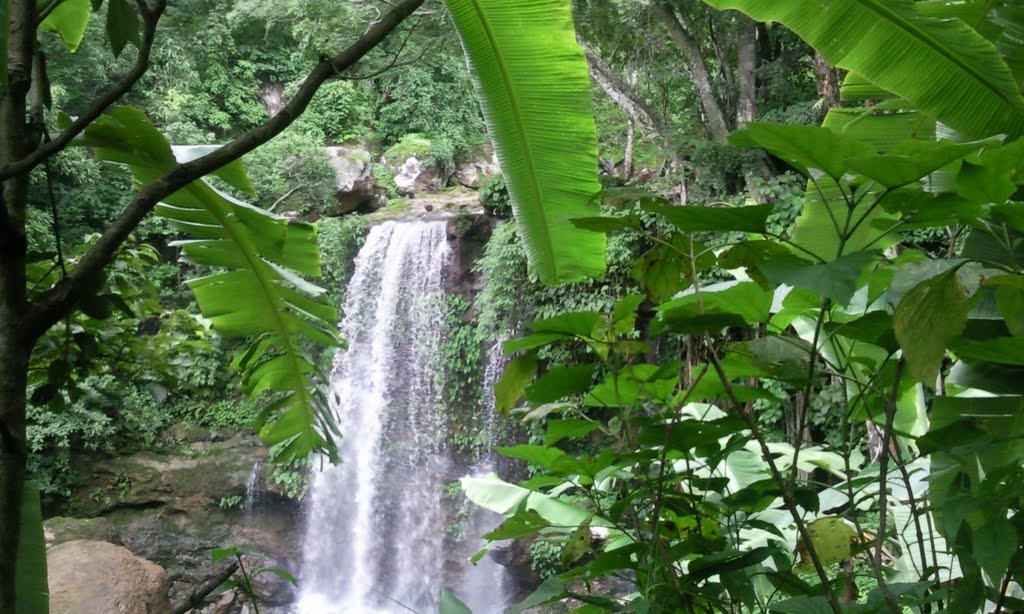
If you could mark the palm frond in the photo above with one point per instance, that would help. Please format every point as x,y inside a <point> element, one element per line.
<point>258,289</point>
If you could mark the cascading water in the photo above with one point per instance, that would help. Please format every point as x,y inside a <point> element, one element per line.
<point>375,539</point>
<point>484,583</point>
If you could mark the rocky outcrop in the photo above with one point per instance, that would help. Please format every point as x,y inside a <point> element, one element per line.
<point>86,577</point>
<point>413,176</point>
<point>477,168</point>
<point>174,509</point>
<point>59,530</point>
<point>355,188</point>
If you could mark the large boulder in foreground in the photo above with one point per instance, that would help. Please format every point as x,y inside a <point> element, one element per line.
<point>87,577</point>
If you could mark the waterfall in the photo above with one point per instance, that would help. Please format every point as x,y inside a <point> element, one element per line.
<point>375,535</point>
<point>252,488</point>
<point>483,584</point>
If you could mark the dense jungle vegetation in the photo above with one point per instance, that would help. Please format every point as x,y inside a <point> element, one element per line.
<point>756,266</point>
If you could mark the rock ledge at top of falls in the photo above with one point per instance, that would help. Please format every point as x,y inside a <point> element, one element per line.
<point>89,577</point>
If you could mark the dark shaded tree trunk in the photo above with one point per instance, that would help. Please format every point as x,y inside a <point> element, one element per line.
<point>746,98</point>
<point>827,81</point>
<point>15,346</point>
<point>680,30</point>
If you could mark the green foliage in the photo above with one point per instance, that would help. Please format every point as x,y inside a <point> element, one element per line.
<point>412,144</point>
<point>545,558</point>
<point>340,110</point>
<point>821,327</point>
<point>495,198</point>
<point>340,239</point>
<point>227,503</point>
<point>292,172</point>
<point>429,98</point>
<point>263,257</point>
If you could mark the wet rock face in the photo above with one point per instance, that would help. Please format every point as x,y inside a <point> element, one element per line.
<point>86,577</point>
<point>468,235</point>
<point>175,509</point>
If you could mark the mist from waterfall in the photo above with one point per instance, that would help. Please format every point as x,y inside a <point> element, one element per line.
<point>375,539</point>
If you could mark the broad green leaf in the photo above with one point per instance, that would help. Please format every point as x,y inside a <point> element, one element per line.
<point>537,102</point>
<point>577,323</point>
<point>831,538</point>
<point>258,289</point>
<point>542,456</point>
<point>570,427</point>
<point>836,280</point>
<point>911,161</point>
<point>993,545</point>
<point>522,524</point>
<point>492,493</point>
<point>807,148</point>
<point>69,21</point>
<point>669,267</point>
<point>450,604</point>
<point>578,544</point>
<point>803,604</point>
<point>122,25</point>
<point>717,306</point>
<point>518,373</point>
<point>607,224</point>
<point>632,384</point>
<point>874,327</point>
<point>550,590</point>
<point>941,66</point>
<point>32,594</point>
<point>926,320</point>
<point>1001,350</point>
<point>560,382</point>
<point>718,219</point>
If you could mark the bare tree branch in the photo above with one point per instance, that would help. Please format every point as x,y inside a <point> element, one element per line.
<point>150,17</point>
<point>620,93</point>
<point>57,301</point>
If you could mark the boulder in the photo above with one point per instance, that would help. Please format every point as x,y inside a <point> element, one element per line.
<point>60,529</point>
<point>86,577</point>
<point>412,177</point>
<point>476,168</point>
<point>354,186</point>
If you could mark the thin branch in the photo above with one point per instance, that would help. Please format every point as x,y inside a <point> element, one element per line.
<point>43,14</point>
<point>61,298</point>
<point>150,18</point>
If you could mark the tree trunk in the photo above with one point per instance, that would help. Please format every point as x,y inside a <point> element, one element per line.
<point>621,93</point>
<point>627,157</point>
<point>827,81</point>
<point>746,99</point>
<point>680,31</point>
<point>15,346</point>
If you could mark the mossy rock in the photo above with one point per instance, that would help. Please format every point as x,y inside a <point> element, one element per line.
<point>411,145</point>
<point>61,529</point>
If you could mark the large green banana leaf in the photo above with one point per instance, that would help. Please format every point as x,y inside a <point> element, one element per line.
<point>258,288</point>
<point>534,86</point>
<point>942,67</point>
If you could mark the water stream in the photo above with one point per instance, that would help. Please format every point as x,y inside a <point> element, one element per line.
<point>375,540</point>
